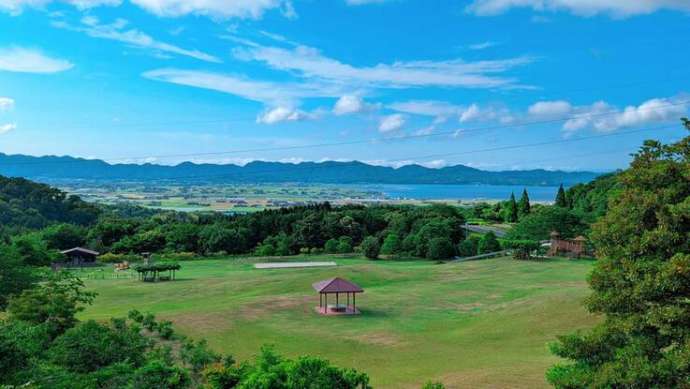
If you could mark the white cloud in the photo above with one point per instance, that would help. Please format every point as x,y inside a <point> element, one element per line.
<point>471,113</point>
<point>604,117</point>
<point>116,31</point>
<point>349,104</point>
<point>615,8</point>
<point>392,122</point>
<point>16,7</point>
<point>442,110</point>
<point>217,9</point>
<point>18,59</point>
<point>6,104</point>
<point>550,108</point>
<point>282,114</point>
<point>309,62</point>
<point>482,45</point>
<point>271,93</point>
<point>5,128</point>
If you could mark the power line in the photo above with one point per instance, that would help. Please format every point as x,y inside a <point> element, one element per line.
<point>364,141</point>
<point>315,166</point>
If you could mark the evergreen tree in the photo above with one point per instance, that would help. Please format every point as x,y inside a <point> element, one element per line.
<point>511,210</point>
<point>640,282</point>
<point>524,206</point>
<point>561,200</point>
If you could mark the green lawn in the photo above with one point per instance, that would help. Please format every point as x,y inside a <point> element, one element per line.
<point>483,323</point>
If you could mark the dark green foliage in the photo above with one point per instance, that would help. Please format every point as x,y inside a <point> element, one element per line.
<point>197,355</point>
<point>561,199</point>
<point>64,236</point>
<point>539,224</point>
<point>331,246</point>
<point>158,374</point>
<point>33,251</point>
<point>523,205</point>
<point>54,303</point>
<point>488,244</point>
<point>641,282</point>
<point>440,248</point>
<point>590,201</point>
<point>344,245</point>
<point>370,247</point>
<point>15,275</point>
<point>149,321</point>
<point>90,346</point>
<point>26,204</point>
<point>511,210</point>
<point>135,316</point>
<point>469,247</point>
<point>270,370</point>
<point>391,245</point>
<point>165,329</point>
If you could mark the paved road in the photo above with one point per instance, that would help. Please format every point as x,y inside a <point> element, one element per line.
<point>484,229</point>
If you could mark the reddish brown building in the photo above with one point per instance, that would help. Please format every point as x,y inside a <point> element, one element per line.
<point>567,247</point>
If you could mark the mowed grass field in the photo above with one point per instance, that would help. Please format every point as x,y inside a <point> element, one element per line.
<point>473,324</point>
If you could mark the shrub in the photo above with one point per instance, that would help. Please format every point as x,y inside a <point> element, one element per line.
<point>391,245</point>
<point>165,329</point>
<point>469,247</point>
<point>522,249</point>
<point>331,246</point>
<point>488,244</point>
<point>370,247</point>
<point>440,248</point>
<point>344,245</point>
<point>157,374</point>
<point>135,316</point>
<point>118,258</point>
<point>149,321</point>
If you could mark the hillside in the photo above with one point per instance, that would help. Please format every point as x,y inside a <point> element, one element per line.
<point>70,168</point>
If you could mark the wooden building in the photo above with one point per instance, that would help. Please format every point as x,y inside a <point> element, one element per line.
<point>80,256</point>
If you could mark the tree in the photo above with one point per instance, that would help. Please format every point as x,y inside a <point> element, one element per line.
<point>391,245</point>
<point>488,244</point>
<point>331,246</point>
<point>641,282</point>
<point>64,236</point>
<point>523,205</point>
<point>511,210</point>
<point>469,247</point>
<point>15,275</point>
<point>440,248</point>
<point>561,199</point>
<point>344,245</point>
<point>158,374</point>
<point>90,346</point>
<point>370,247</point>
<point>54,303</point>
<point>539,224</point>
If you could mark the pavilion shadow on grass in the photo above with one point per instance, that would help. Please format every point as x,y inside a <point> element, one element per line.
<point>338,287</point>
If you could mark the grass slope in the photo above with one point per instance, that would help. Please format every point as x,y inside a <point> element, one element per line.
<point>484,323</point>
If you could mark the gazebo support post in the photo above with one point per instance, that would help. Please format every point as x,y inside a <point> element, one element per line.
<point>354,301</point>
<point>337,295</point>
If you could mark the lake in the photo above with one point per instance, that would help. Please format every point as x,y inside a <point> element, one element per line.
<point>463,192</point>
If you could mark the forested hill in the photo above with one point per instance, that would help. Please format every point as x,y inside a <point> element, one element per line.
<point>56,168</point>
<point>26,204</point>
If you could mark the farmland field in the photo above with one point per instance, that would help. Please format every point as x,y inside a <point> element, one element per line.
<point>484,323</point>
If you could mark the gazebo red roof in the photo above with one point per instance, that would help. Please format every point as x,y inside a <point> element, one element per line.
<point>337,285</point>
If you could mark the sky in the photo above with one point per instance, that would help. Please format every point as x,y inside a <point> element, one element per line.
<point>492,84</point>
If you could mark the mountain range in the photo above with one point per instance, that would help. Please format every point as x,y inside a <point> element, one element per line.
<point>52,168</point>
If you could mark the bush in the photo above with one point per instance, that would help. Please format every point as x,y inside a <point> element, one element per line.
<point>469,247</point>
<point>157,374</point>
<point>118,258</point>
<point>440,248</point>
<point>331,246</point>
<point>391,245</point>
<point>149,322</point>
<point>345,245</point>
<point>370,247</point>
<point>488,244</point>
<point>165,329</point>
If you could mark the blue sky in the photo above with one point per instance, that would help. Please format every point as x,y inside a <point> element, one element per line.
<point>387,82</point>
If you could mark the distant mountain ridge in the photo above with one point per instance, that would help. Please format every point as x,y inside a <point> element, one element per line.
<point>330,172</point>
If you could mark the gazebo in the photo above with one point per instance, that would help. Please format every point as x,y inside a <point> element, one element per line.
<point>337,286</point>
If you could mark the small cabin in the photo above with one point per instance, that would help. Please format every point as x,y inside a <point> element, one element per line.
<point>80,256</point>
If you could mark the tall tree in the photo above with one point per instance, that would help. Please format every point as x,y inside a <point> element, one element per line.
<point>641,282</point>
<point>561,200</point>
<point>524,206</point>
<point>511,210</point>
